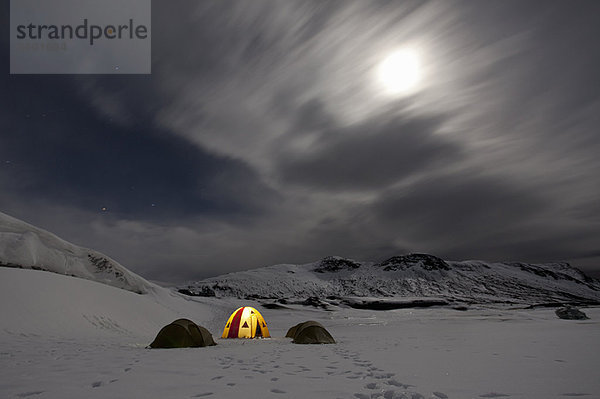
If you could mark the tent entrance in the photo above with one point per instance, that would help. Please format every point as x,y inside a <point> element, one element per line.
<point>258,329</point>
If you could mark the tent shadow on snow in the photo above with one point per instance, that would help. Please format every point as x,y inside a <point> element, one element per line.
<point>310,332</point>
<point>183,333</point>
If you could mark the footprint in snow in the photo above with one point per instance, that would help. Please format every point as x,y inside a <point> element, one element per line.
<point>372,385</point>
<point>27,394</point>
<point>201,395</point>
<point>382,376</point>
<point>393,395</point>
<point>397,384</point>
<point>408,395</point>
<point>216,378</point>
<point>493,395</point>
<point>277,390</point>
<point>440,395</point>
<point>96,384</point>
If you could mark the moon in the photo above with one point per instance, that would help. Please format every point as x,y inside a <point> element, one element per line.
<point>400,71</point>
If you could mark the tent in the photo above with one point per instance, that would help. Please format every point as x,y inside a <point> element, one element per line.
<point>182,333</point>
<point>292,331</point>
<point>246,322</point>
<point>310,332</point>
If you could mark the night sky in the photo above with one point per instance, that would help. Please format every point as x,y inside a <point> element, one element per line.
<point>267,133</point>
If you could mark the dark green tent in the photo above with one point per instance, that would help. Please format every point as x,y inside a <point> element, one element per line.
<point>310,332</point>
<point>292,331</point>
<point>183,333</point>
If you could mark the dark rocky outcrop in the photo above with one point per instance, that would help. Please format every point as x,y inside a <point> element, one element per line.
<point>405,262</point>
<point>334,264</point>
<point>570,313</point>
<point>392,304</point>
<point>197,291</point>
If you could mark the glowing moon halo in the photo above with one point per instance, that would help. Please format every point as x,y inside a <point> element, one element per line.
<point>400,71</point>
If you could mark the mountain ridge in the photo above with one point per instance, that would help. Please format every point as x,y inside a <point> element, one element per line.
<point>417,276</point>
<point>407,276</point>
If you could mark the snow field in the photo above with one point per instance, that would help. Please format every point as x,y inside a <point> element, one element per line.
<point>66,337</point>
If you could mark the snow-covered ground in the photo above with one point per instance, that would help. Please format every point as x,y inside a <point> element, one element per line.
<point>64,337</point>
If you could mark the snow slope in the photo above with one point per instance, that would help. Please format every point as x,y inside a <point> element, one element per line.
<point>414,275</point>
<point>35,303</point>
<point>63,337</point>
<point>25,246</point>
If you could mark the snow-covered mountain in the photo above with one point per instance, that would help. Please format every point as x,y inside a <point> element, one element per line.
<point>25,246</point>
<point>417,278</point>
<point>408,276</point>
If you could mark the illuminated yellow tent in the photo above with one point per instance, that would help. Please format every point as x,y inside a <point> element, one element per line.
<point>246,322</point>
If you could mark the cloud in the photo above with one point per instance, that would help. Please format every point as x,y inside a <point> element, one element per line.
<point>456,208</point>
<point>471,214</point>
<point>369,155</point>
<point>73,156</point>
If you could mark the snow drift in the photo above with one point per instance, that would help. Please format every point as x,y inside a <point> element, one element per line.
<point>47,305</point>
<point>28,247</point>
